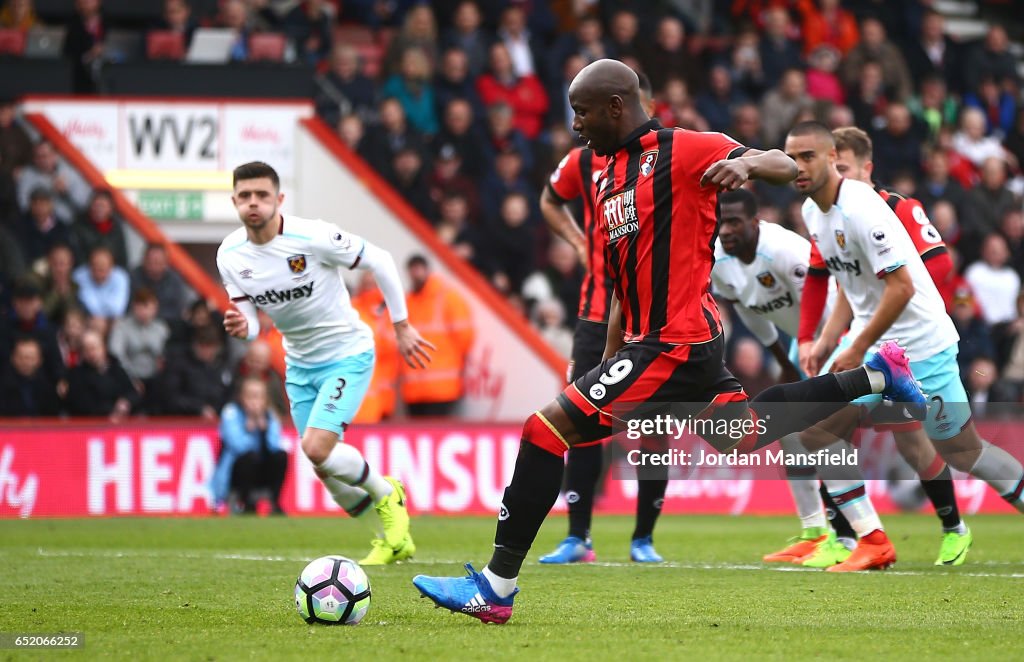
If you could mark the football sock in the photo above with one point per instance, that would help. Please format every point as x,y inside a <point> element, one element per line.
<point>501,586</point>
<point>803,486</point>
<point>353,500</point>
<point>941,492</point>
<point>582,470</point>
<point>650,495</point>
<point>528,498</point>
<point>1002,472</point>
<point>836,518</point>
<point>346,464</point>
<point>853,502</point>
<point>819,397</point>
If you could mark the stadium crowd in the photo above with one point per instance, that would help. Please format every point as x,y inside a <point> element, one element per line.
<point>461,106</point>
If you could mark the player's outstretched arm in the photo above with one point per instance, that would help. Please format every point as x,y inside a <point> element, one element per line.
<point>772,166</point>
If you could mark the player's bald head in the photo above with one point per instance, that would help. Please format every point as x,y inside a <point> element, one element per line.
<point>603,79</point>
<point>605,97</point>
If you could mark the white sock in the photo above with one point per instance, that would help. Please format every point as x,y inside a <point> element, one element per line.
<point>1002,471</point>
<point>960,528</point>
<point>848,543</point>
<point>876,378</point>
<point>346,464</point>
<point>804,490</point>
<point>353,500</point>
<point>502,587</point>
<point>854,502</point>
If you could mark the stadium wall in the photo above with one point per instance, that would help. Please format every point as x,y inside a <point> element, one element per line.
<point>160,468</point>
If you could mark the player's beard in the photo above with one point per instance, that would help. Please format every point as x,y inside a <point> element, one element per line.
<point>261,223</point>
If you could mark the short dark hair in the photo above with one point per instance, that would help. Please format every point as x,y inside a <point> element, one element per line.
<point>255,170</point>
<point>854,139</point>
<point>144,295</point>
<point>40,193</point>
<point>743,196</point>
<point>812,128</point>
<point>416,260</point>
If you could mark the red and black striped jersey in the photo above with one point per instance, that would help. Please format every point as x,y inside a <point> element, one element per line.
<point>660,227</point>
<point>576,177</point>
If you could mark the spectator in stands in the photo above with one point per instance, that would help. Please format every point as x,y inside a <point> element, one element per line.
<point>413,88</point>
<point>748,364</point>
<point>875,46</point>
<point>997,103</point>
<point>987,203</point>
<point>984,387</point>
<point>460,133</point>
<point>716,102</point>
<point>235,15</point>
<point>41,230</point>
<point>351,130</point>
<point>99,227</point>
<point>196,383</point>
<point>560,111</point>
<point>991,59</point>
<point>309,24</point>
<point>155,275</point>
<point>1012,229</point>
<point>937,184</point>
<point>525,95</point>
<point>560,280</point>
<point>823,83</point>
<point>745,64</point>
<point>409,178</point>
<point>944,217</point>
<point>73,323</point>
<point>778,49</point>
<point>15,145</point>
<point>103,287</point>
<point>898,145</point>
<point>98,385</point>
<point>827,23</point>
<point>975,338</point>
<point>667,55</point>
<point>84,45</point>
<point>995,283</point>
<point>26,319</point>
<point>869,99</point>
<point>623,31</point>
<point>419,30</point>
<point>1013,366</point>
<point>934,105</point>
<point>511,249</point>
<point>746,125</point>
<point>60,291</point>
<point>12,264</point>
<point>252,457</point>
<point>380,400</point>
<point>1014,142</point>
<point>393,134</point>
<point>468,37</point>
<point>587,41</point>
<point>934,53</point>
<point>200,315</point>
<point>447,178</point>
<point>781,105</point>
<point>549,318</point>
<point>138,341</point>
<point>25,388</point>
<point>519,43</point>
<point>509,177</point>
<point>344,90</point>
<point>257,364</point>
<point>18,15</point>
<point>972,143</point>
<point>70,192</point>
<point>502,135</point>
<point>455,229</point>
<point>177,17</point>
<point>442,316</point>
<point>456,80</point>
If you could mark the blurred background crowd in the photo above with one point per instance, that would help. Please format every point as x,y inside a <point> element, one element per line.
<point>461,107</point>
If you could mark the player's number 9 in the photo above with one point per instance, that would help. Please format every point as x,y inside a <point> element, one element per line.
<point>616,372</point>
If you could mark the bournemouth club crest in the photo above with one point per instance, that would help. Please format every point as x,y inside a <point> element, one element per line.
<point>297,263</point>
<point>647,161</point>
<point>841,239</point>
<point>766,278</point>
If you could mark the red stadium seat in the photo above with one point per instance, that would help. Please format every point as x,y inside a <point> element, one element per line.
<point>266,46</point>
<point>372,58</point>
<point>165,45</point>
<point>12,42</point>
<point>353,35</point>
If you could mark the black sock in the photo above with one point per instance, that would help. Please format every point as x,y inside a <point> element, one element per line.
<point>527,501</point>
<point>821,396</point>
<point>581,474</point>
<point>650,496</point>
<point>835,516</point>
<point>942,494</point>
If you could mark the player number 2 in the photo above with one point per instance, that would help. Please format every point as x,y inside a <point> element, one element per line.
<point>338,389</point>
<point>616,372</point>
<point>941,416</point>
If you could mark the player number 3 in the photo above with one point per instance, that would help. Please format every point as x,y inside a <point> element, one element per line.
<point>339,388</point>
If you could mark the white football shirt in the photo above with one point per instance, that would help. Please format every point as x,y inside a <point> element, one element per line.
<point>860,240</point>
<point>295,278</point>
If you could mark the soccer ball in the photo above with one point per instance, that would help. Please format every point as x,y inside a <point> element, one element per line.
<point>333,590</point>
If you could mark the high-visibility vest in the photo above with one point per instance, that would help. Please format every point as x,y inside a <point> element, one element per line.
<point>442,317</point>
<point>379,402</point>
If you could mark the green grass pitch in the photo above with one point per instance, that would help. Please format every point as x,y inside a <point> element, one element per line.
<point>221,589</point>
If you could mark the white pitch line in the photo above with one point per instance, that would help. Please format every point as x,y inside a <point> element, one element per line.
<point>732,567</point>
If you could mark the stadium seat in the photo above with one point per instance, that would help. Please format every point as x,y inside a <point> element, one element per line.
<point>353,35</point>
<point>165,45</point>
<point>266,46</point>
<point>12,42</point>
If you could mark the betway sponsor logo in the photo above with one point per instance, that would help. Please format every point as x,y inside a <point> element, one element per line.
<point>785,301</point>
<point>836,264</point>
<point>280,296</point>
